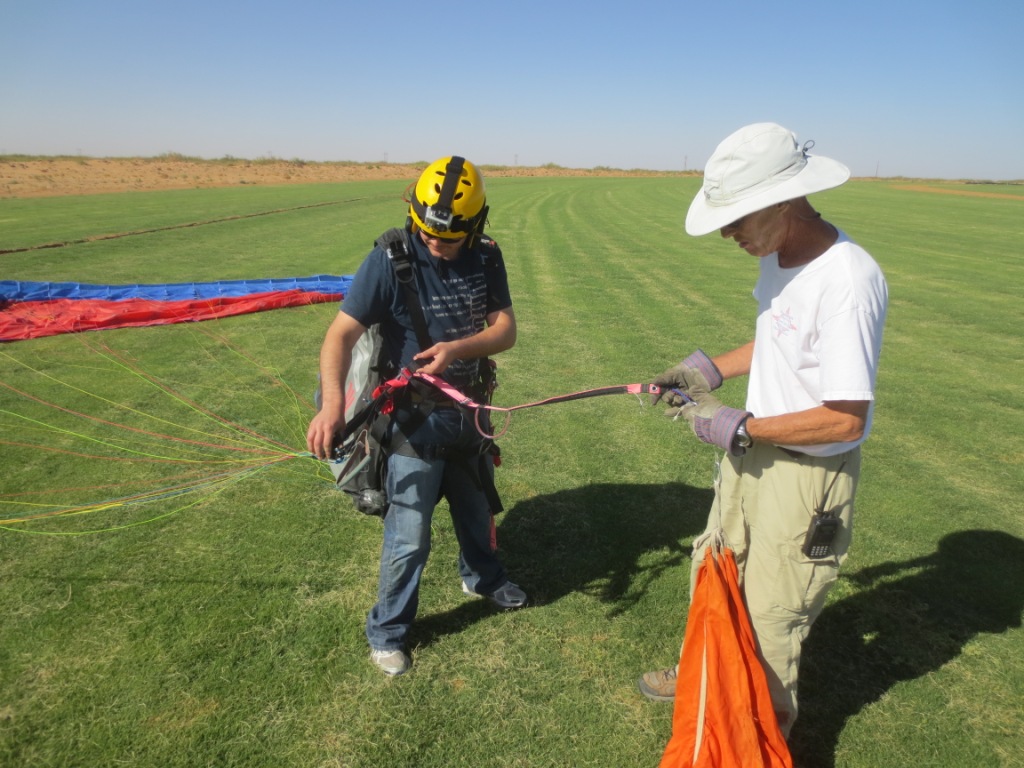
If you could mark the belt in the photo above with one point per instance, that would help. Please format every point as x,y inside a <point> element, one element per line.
<point>792,454</point>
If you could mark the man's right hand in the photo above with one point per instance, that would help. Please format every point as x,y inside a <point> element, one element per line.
<point>335,359</point>
<point>323,432</point>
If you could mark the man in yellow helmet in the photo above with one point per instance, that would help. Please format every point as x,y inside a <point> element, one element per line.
<point>464,294</point>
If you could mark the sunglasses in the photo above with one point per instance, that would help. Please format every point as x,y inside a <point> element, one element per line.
<point>443,240</point>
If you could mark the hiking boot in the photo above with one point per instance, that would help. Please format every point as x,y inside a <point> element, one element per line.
<point>507,596</point>
<point>660,685</point>
<point>391,662</point>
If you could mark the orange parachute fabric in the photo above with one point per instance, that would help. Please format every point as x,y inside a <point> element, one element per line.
<point>723,716</point>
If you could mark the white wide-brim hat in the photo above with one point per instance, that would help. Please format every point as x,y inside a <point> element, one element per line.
<point>755,167</point>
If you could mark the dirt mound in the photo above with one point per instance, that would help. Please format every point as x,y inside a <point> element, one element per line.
<point>45,177</point>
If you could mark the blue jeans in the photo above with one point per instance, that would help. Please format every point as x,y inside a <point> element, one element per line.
<point>414,486</point>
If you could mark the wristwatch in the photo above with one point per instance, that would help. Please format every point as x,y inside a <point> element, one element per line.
<point>743,439</point>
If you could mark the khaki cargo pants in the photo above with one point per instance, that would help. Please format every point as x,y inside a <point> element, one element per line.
<point>764,502</point>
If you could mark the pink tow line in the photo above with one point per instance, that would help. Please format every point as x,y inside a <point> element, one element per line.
<point>464,401</point>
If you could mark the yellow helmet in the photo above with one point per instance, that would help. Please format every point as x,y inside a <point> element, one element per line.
<point>449,200</point>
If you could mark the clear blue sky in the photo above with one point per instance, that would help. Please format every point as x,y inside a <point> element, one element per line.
<point>897,87</point>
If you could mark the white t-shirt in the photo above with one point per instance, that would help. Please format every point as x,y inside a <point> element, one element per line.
<point>819,335</point>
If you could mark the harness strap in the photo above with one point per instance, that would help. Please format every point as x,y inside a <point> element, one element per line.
<point>397,247</point>
<point>382,402</point>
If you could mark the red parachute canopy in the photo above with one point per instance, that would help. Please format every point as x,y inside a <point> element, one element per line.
<point>32,309</point>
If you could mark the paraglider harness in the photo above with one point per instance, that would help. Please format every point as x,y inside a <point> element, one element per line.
<point>360,459</point>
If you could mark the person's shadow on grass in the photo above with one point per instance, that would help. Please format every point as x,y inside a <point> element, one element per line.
<point>590,539</point>
<point>902,629</point>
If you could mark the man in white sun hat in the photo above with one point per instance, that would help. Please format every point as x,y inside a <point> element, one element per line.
<point>793,451</point>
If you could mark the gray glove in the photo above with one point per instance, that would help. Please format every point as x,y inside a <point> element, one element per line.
<point>697,370</point>
<point>713,422</point>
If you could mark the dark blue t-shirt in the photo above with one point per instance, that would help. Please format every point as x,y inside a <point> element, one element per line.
<point>456,296</point>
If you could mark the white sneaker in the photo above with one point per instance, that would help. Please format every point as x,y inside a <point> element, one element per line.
<point>391,662</point>
<point>659,685</point>
<point>507,596</point>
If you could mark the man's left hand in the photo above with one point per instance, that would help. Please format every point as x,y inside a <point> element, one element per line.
<point>697,371</point>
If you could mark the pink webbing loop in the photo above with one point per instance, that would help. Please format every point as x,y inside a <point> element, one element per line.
<point>464,401</point>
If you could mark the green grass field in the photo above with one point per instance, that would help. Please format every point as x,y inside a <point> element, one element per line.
<point>225,627</point>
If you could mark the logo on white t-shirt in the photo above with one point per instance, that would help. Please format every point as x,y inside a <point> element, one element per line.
<point>783,323</point>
